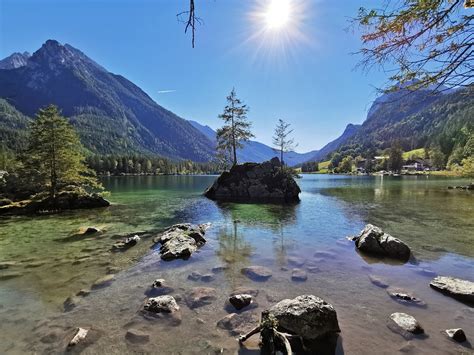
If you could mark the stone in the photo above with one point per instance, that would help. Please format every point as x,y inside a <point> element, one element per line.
<point>10,275</point>
<point>324,254</point>
<point>83,293</point>
<point>240,301</point>
<point>180,241</point>
<point>159,287</point>
<point>405,297</point>
<point>200,296</point>
<point>194,276</point>
<point>456,334</point>
<point>257,273</point>
<point>208,278</point>
<point>161,304</point>
<point>307,316</point>
<point>80,335</point>
<point>254,182</point>
<point>378,281</point>
<point>220,268</point>
<point>405,325</point>
<point>70,303</point>
<point>459,289</point>
<point>313,269</point>
<point>126,243</point>
<point>237,324</point>
<point>91,230</point>
<point>299,275</point>
<point>103,282</point>
<point>245,290</point>
<point>296,261</point>
<point>136,336</point>
<point>373,240</point>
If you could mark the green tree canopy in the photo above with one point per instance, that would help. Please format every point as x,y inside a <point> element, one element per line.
<point>54,158</point>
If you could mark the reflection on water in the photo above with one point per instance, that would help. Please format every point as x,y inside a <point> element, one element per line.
<point>44,263</point>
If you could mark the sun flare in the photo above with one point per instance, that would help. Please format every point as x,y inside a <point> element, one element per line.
<point>277,14</point>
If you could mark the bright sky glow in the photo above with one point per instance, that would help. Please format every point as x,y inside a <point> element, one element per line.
<point>277,14</point>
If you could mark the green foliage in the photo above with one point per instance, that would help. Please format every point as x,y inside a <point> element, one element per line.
<point>346,165</point>
<point>310,167</point>
<point>147,165</point>
<point>467,169</point>
<point>54,158</point>
<point>395,160</point>
<point>438,159</point>
<point>236,128</point>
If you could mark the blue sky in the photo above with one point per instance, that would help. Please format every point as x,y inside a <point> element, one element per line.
<point>303,73</point>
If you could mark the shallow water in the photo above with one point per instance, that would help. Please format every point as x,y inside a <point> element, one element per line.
<point>52,264</point>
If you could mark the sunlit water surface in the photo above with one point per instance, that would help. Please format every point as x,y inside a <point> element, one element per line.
<point>51,264</point>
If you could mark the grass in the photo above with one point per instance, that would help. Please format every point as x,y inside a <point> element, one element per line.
<point>415,153</point>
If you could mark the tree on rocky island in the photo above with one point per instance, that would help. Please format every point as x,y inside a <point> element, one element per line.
<point>236,128</point>
<point>54,158</point>
<point>425,42</point>
<point>281,139</point>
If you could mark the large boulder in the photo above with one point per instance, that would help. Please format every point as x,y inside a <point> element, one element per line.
<point>373,240</point>
<point>181,240</point>
<point>253,182</point>
<point>307,316</point>
<point>461,290</point>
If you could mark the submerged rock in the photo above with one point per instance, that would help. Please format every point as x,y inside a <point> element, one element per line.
<point>374,240</point>
<point>103,282</point>
<point>237,324</point>
<point>459,289</point>
<point>126,243</point>
<point>405,325</point>
<point>136,336</point>
<point>299,275</point>
<point>181,240</point>
<point>158,288</point>
<point>378,281</point>
<point>80,335</point>
<point>161,304</point>
<point>307,316</point>
<point>254,182</point>
<point>240,301</point>
<point>200,296</point>
<point>456,334</point>
<point>405,297</point>
<point>257,273</point>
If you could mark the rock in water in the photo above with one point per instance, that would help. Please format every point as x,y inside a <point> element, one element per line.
<point>307,316</point>
<point>405,297</point>
<point>253,182</point>
<point>299,275</point>
<point>374,240</point>
<point>126,243</point>
<point>181,240</point>
<point>456,334</point>
<point>200,296</point>
<point>240,301</point>
<point>405,325</point>
<point>78,337</point>
<point>161,304</point>
<point>158,288</point>
<point>257,273</point>
<point>461,290</point>
<point>136,336</point>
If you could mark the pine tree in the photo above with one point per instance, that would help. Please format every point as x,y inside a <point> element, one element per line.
<point>281,139</point>
<point>236,128</point>
<point>54,158</point>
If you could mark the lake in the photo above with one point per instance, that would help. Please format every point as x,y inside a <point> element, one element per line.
<point>49,264</point>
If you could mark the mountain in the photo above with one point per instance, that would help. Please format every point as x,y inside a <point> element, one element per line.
<point>254,151</point>
<point>110,113</point>
<point>349,132</point>
<point>414,119</point>
<point>16,60</point>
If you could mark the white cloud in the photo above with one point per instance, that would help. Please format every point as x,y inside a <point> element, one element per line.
<point>165,91</point>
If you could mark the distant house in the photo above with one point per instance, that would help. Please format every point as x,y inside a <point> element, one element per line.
<point>416,165</point>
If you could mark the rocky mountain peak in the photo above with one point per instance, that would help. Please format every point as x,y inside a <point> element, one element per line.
<point>14,61</point>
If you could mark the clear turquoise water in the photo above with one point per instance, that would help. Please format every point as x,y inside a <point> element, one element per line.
<point>51,264</point>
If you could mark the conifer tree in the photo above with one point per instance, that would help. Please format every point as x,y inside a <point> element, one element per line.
<point>236,128</point>
<point>281,139</point>
<point>54,158</point>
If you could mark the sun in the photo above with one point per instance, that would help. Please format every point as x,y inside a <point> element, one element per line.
<point>277,14</point>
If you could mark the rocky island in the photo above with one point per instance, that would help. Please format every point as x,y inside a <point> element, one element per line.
<point>253,182</point>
